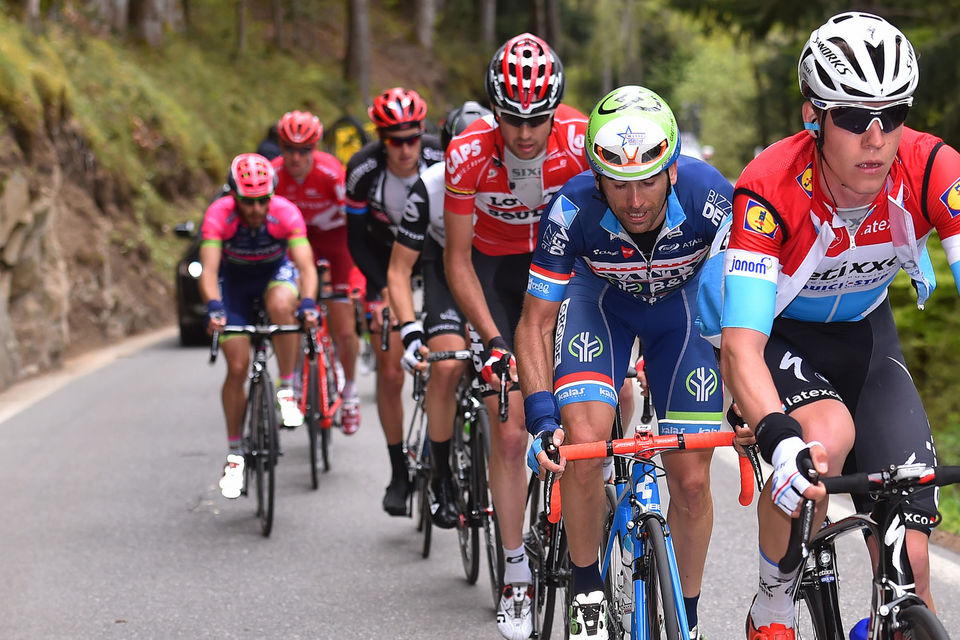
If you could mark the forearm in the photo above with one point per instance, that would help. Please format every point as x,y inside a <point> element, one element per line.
<point>362,253</point>
<point>401,293</point>
<point>745,373</point>
<point>534,351</point>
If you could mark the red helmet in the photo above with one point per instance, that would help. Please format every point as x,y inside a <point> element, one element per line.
<point>252,176</point>
<point>300,128</point>
<point>525,76</point>
<point>398,108</point>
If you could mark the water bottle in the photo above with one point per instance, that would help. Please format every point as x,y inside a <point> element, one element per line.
<point>859,630</point>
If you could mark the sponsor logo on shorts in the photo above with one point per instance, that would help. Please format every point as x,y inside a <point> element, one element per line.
<point>702,383</point>
<point>585,347</point>
<point>561,327</point>
<point>809,395</point>
<point>570,393</point>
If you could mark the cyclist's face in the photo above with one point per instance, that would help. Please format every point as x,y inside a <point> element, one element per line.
<point>524,139</point>
<point>253,211</point>
<point>639,205</point>
<point>855,166</point>
<point>297,160</point>
<point>403,151</point>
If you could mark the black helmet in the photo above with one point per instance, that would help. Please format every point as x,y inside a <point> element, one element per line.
<point>459,119</point>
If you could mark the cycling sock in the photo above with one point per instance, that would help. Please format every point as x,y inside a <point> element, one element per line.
<point>515,567</point>
<point>690,605</point>
<point>234,444</point>
<point>587,579</point>
<point>285,382</point>
<point>349,390</point>
<point>440,457</point>
<point>397,463</point>
<point>773,603</point>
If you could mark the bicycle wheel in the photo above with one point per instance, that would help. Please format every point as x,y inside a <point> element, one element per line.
<point>332,392</point>
<point>312,415</point>
<point>559,582</point>
<point>809,618</point>
<point>266,458</point>
<point>487,517</point>
<point>617,583</point>
<point>426,523</point>
<point>920,624</point>
<point>468,534</point>
<point>662,619</point>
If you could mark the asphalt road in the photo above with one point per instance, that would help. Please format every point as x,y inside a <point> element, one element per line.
<point>112,526</point>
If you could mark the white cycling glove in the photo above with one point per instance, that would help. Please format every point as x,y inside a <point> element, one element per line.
<point>412,335</point>
<point>788,482</point>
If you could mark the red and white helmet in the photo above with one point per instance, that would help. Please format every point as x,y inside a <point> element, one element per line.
<point>300,128</point>
<point>252,176</point>
<point>398,108</point>
<point>525,76</point>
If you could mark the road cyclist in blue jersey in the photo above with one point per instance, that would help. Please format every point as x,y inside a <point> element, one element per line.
<point>618,258</point>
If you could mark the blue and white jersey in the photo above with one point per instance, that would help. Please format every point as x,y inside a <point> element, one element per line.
<point>581,233</point>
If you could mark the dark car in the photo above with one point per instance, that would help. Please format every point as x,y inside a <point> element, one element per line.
<point>191,311</point>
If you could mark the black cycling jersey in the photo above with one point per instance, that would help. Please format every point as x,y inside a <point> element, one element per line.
<point>371,221</point>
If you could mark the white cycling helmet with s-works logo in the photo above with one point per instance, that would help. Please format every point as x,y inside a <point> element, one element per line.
<point>858,57</point>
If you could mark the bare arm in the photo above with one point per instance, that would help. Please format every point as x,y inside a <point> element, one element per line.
<point>461,276</point>
<point>302,256</point>
<point>745,372</point>
<point>534,344</point>
<point>402,260</point>
<point>210,273</point>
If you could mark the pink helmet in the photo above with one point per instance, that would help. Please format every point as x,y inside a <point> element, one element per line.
<point>252,176</point>
<point>300,128</point>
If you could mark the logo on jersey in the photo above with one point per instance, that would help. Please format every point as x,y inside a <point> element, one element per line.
<point>563,212</point>
<point>585,347</point>
<point>627,251</point>
<point>840,243</point>
<point>759,219</point>
<point>951,198</point>
<point>715,208</point>
<point>702,383</point>
<point>805,180</point>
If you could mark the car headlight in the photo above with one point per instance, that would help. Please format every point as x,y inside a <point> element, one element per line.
<point>192,269</point>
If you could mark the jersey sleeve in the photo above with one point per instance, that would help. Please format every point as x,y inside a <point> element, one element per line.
<point>416,217</point>
<point>557,248</point>
<point>751,264</point>
<point>290,224</point>
<point>214,227</point>
<point>943,204</point>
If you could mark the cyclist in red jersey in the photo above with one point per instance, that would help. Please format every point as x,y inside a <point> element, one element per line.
<point>505,173</point>
<point>315,182</point>
<point>254,246</point>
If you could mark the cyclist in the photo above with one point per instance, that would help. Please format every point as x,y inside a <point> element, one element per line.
<point>420,233</point>
<point>254,246</point>
<point>379,177</point>
<point>314,181</point>
<point>504,170</point>
<point>619,258</point>
<point>822,222</point>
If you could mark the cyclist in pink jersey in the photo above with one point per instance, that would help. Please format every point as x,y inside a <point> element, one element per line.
<point>505,171</point>
<point>314,181</point>
<point>254,246</point>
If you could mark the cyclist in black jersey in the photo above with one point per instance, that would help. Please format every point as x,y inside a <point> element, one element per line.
<point>420,236</point>
<point>379,177</point>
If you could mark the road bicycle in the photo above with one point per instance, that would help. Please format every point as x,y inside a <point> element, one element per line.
<point>638,565</point>
<point>897,613</point>
<point>261,443</point>
<point>416,449</point>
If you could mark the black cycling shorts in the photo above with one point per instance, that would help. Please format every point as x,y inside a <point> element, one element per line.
<point>442,313</point>
<point>861,364</point>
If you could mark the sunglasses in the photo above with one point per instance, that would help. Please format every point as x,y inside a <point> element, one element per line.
<point>297,150</point>
<point>396,143</point>
<point>858,118</point>
<point>518,121</point>
<point>252,201</point>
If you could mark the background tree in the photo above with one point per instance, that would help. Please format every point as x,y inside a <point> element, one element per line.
<point>358,59</point>
<point>425,17</point>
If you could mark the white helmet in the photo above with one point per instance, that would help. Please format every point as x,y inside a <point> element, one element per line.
<point>858,57</point>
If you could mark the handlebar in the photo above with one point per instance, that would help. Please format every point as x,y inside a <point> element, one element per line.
<point>502,369</point>
<point>385,329</point>
<point>645,445</point>
<point>250,329</point>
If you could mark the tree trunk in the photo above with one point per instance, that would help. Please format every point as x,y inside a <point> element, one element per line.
<point>426,15</point>
<point>553,26</point>
<point>538,17</point>
<point>241,26</point>
<point>357,62</point>
<point>31,14</point>
<point>146,17</point>
<point>487,11</point>
<point>278,23</point>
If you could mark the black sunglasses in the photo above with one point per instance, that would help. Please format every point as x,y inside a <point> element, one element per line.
<point>518,121</point>
<point>858,118</point>
<point>402,142</point>
<point>252,201</point>
<point>296,150</point>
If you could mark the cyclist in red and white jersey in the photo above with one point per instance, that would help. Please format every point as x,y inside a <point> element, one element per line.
<point>315,182</point>
<point>379,177</point>
<point>504,171</point>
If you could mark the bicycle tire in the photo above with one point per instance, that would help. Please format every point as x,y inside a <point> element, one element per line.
<point>468,534</point>
<point>617,583</point>
<point>921,624</point>
<point>332,391</point>
<point>312,417</point>
<point>562,581</point>
<point>662,618</point>
<point>809,612</point>
<point>487,516</point>
<point>267,454</point>
<point>426,522</point>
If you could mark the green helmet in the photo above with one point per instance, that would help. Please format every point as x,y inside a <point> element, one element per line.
<point>632,134</point>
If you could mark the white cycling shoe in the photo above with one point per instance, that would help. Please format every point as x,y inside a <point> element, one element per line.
<point>231,482</point>
<point>588,617</point>
<point>290,414</point>
<point>514,618</point>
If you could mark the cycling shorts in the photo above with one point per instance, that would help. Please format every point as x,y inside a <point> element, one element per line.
<point>859,363</point>
<point>331,245</point>
<point>239,291</point>
<point>442,313</point>
<point>596,328</point>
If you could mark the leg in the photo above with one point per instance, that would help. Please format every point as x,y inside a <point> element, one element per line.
<point>236,350</point>
<point>440,404</point>
<point>508,476</point>
<point>690,514</point>
<point>342,318</point>
<point>280,300</point>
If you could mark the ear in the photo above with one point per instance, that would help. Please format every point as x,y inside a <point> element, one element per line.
<point>813,127</point>
<point>810,121</point>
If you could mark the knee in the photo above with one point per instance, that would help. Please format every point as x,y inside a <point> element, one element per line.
<point>690,485</point>
<point>512,439</point>
<point>584,473</point>
<point>445,375</point>
<point>390,379</point>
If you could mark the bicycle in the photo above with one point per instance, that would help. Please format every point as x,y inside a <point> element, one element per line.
<point>897,613</point>
<point>638,564</point>
<point>416,449</point>
<point>260,434</point>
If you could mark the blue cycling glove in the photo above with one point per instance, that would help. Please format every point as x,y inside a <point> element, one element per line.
<point>307,304</point>
<point>215,310</point>
<point>541,412</point>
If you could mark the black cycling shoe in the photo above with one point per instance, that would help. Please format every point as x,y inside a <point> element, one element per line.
<point>443,505</point>
<point>395,499</point>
